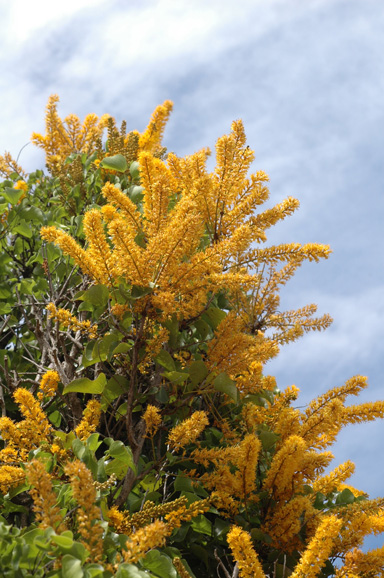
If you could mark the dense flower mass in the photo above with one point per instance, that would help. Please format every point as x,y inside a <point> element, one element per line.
<point>140,432</point>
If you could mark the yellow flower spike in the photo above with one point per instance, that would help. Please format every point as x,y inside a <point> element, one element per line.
<point>44,498</point>
<point>319,548</point>
<point>35,426</point>
<point>181,569</point>
<point>334,479</point>
<point>65,137</point>
<point>8,165</point>
<point>150,139</point>
<point>128,209</point>
<point>69,247</point>
<point>90,421</point>
<point>88,515</point>
<point>21,186</point>
<point>242,550</point>
<point>48,384</point>
<point>10,476</point>
<point>98,251</point>
<point>139,543</point>
<point>159,186</point>
<point>285,463</point>
<point>66,319</point>
<point>188,430</point>
<point>152,418</point>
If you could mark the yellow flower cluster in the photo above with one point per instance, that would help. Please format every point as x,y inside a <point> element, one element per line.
<point>139,543</point>
<point>90,421</point>
<point>66,319</point>
<point>318,549</point>
<point>152,418</point>
<point>21,186</point>
<point>181,569</point>
<point>48,384</point>
<point>45,501</point>
<point>8,165</point>
<point>88,515</point>
<point>118,310</point>
<point>10,476</point>
<point>65,137</point>
<point>188,430</point>
<point>193,227</point>
<point>241,545</point>
<point>21,437</point>
<point>124,523</point>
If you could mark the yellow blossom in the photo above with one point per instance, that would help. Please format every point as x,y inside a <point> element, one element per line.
<point>90,421</point>
<point>66,319</point>
<point>48,384</point>
<point>242,550</point>
<point>152,418</point>
<point>45,500</point>
<point>188,431</point>
<point>139,543</point>
<point>10,476</point>
<point>318,549</point>
<point>88,515</point>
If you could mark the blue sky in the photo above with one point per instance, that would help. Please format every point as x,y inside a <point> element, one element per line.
<point>306,78</point>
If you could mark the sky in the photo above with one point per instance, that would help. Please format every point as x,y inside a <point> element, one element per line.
<point>307,79</point>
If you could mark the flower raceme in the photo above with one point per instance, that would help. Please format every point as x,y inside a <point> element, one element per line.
<point>195,233</point>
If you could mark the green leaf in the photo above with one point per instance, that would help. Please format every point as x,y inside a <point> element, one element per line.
<point>71,567</point>
<point>183,484</point>
<point>102,347</point>
<point>55,418</point>
<point>26,286</point>
<point>214,316</point>
<point>130,571</point>
<point>268,439</point>
<point>202,525</point>
<point>345,497</point>
<point>23,229</point>
<point>5,308</point>
<point>198,371</point>
<point>123,347</point>
<point>136,193</point>
<point>134,170</point>
<point>176,376</point>
<point>116,163</point>
<point>97,295</point>
<point>85,385</point>
<point>65,542</point>
<point>202,328</point>
<point>165,360</point>
<point>12,195</point>
<point>121,452</point>
<point>160,564</point>
<point>225,384</point>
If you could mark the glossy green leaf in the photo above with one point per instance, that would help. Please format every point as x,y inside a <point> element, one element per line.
<point>85,385</point>
<point>226,385</point>
<point>134,170</point>
<point>116,163</point>
<point>176,376</point>
<point>159,564</point>
<point>13,196</point>
<point>198,371</point>
<point>97,295</point>
<point>71,567</point>
<point>24,229</point>
<point>165,360</point>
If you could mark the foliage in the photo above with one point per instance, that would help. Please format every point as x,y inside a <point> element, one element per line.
<point>139,304</point>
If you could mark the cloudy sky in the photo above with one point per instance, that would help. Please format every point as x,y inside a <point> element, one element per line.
<point>307,79</point>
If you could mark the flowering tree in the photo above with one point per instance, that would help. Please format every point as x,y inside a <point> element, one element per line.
<point>141,436</point>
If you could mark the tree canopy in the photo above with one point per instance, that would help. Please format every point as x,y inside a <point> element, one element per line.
<point>140,433</point>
